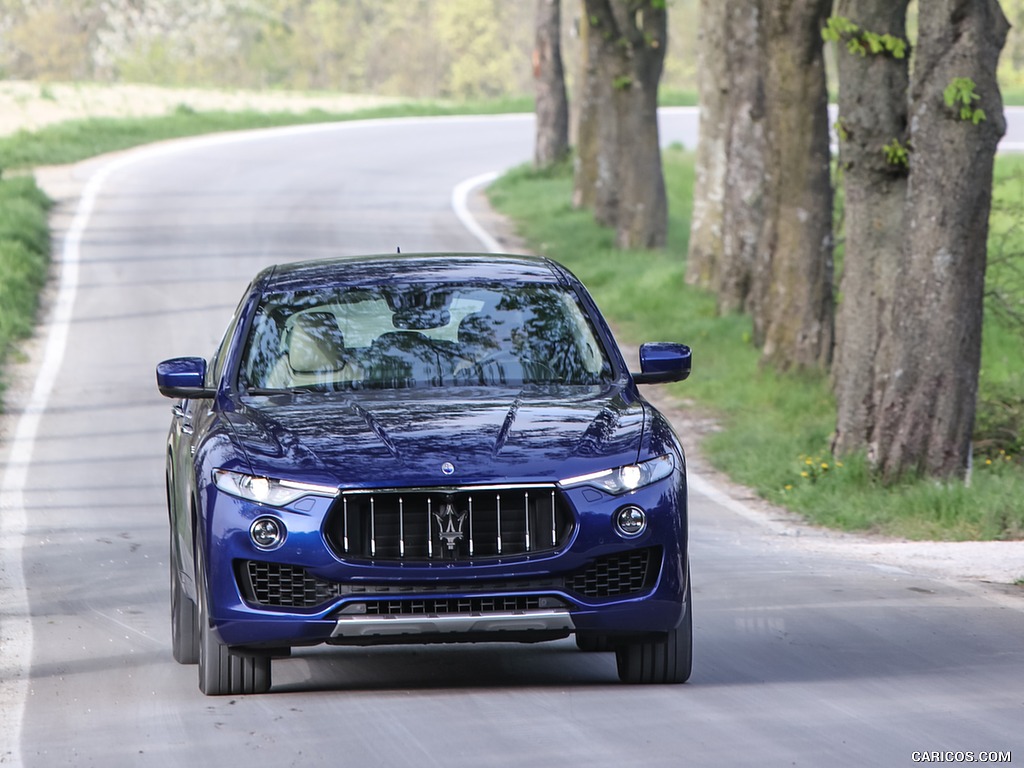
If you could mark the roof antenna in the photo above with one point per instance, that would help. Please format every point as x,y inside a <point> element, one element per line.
<point>398,249</point>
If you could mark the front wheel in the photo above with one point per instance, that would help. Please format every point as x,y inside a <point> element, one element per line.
<point>184,625</point>
<point>221,672</point>
<point>184,629</point>
<point>667,659</point>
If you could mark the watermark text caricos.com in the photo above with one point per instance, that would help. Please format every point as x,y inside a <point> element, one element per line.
<point>951,756</point>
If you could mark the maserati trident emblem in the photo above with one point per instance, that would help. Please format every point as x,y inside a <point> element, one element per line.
<point>449,524</point>
<point>448,468</point>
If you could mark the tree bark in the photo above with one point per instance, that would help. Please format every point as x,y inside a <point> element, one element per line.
<point>552,140</point>
<point>928,394</point>
<point>706,220</point>
<point>872,114</point>
<point>630,45</point>
<point>586,100</point>
<point>792,298</point>
<point>743,213</point>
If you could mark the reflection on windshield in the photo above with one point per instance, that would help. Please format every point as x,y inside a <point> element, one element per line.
<point>415,336</point>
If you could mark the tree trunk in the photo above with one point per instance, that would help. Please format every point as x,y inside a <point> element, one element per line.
<point>792,301</point>
<point>585,99</point>
<point>594,185</point>
<point>552,144</point>
<point>743,213</point>
<point>872,115</point>
<point>630,45</point>
<point>933,351</point>
<point>706,221</point>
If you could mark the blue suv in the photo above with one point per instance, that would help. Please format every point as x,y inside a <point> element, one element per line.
<point>421,449</point>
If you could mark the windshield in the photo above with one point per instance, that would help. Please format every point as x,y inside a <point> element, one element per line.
<point>417,336</point>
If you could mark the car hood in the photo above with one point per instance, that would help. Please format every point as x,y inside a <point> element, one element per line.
<point>404,438</point>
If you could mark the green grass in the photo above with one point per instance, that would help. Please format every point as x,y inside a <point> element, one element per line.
<point>775,428</point>
<point>667,98</point>
<point>24,257</point>
<point>1012,95</point>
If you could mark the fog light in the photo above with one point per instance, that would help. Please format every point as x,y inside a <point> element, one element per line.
<point>267,533</point>
<point>630,521</point>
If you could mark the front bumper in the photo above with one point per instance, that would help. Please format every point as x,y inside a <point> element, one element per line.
<point>359,630</point>
<point>302,593</point>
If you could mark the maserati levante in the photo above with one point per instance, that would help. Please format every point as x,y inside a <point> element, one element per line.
<point>422,449</point>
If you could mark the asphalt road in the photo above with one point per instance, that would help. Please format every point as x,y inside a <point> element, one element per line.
<point>801,658</point>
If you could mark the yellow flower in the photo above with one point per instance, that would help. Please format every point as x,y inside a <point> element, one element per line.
<point>824,465</point>
<point>805,474</point>
<point>809,462</point>
<point>988,462</point>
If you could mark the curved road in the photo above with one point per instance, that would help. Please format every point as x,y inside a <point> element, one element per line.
<point>801,658</point>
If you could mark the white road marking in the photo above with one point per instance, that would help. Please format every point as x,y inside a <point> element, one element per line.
<point>460,204</point>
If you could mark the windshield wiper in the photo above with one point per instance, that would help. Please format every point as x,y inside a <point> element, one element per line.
<point>282,390</point>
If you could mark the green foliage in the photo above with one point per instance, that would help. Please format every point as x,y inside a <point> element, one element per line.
<point>622,83</point>
<point>405,48</point>
<point>897,153</point>
<point>838,27</point>
<point>474,34</point>
<point>960,95</point>
<point>840,128</point>
<point>861,42</point>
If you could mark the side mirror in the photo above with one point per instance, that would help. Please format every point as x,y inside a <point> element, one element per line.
<point>183,377</point>
<point>662,362</point>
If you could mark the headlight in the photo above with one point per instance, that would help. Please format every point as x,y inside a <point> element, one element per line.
<point>266,490</point>
<point>628,478</point>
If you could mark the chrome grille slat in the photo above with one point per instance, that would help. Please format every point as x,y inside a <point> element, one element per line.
<point>497,499</point>
<point>373,529</point>
<point>430,537</point>
<point>401,528</point>
<point>553,524</point>
<point>345,523</point>
<point>526,517</point>
<point>459,523</point>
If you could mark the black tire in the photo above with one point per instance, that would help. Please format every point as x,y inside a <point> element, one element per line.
<point>222,672</point>
<point>663,660</point>
<point>589,642</point>
<point>184,626</point>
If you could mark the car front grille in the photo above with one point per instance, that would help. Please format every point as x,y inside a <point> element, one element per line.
<point>617,575</point>
<point>276,585</point>
<point>284,586</point>
<point>471,523</point>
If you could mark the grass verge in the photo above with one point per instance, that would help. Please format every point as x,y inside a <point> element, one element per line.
<point>24,257</point>
<point>775,428</point>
